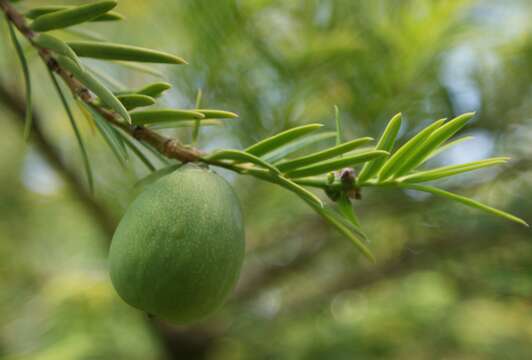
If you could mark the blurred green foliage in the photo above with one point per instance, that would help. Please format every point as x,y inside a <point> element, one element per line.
<point>449,282</point>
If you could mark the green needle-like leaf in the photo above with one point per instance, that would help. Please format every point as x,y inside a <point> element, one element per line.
<point>297,145</point>
<point>58,46</point>
<point>356,237</point>
<point>217,114</point>
<point>313,158</point>
<point>71,16</point>
<point>346,209</point>
<point>446,171</point>
<point>154,90</point>
<point>110,51</point>
<point>77,133</point>
<point>300,191</point>
<point>110,135</point>
<point>186,124</point>
<point>331,165</point>
<point>464,200</point>
<point>130,144</point>
<point>197,125</point>
<point>87,79</point>
<point>385,143</point>
<point>134,101</point>
<point>438,137</point>
<point>43,10</point>
<point>242,156</point>
<point>28,117</point>
<point>272,143</point>
<point>394,162</point>
<point>339,129</point>
<point>164,115</point>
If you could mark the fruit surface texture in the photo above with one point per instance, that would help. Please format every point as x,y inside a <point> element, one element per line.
<point>178,250</point>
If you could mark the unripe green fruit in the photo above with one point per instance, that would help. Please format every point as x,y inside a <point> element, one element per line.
<point>178,250</point>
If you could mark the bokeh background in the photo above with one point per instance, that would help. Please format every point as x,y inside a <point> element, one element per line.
<point>449,282</point>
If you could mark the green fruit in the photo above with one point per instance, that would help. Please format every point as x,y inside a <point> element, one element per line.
<point>178,250</point>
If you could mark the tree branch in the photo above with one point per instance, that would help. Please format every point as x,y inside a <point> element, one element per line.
<point>169,147</point>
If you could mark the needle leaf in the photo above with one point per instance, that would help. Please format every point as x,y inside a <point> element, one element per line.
<point>394,162</point>
<point>163,115</point>
<point>272,143</point>
<point>331,165</point>
<point>111,51</point>
<point>28,117</point>
<point>385,143</point>
<point>242,156</point>
<point>446,171</point>
<point>313,158</point>
<point>464,200</point>
<point>438,137</point>
<point>71,16</point>
<point>77,133</point>
<point>297,145</point>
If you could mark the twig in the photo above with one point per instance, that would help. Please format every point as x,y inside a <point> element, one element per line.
<point>169,147</point>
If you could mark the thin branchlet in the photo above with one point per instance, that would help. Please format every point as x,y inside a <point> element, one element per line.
<point>169,147</point>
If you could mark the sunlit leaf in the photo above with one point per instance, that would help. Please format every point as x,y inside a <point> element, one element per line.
<point>217,114</point>
<point>438,137</point>
<point>111,51</point>
<point>154,90</point>
<point>394,162</point>
<point>313,158</point>
<point>297,145</point>
<point>272,143</point>
<point>163,115</point>
<point>71,16</point>
<point>134,101</point>
<point>186,124</point>
<point>43,10</point>
<point>386,143</point>
<point>336,164</point>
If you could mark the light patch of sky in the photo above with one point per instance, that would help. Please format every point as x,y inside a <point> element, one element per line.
<point>38,177</point>
<point>478,148</point>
